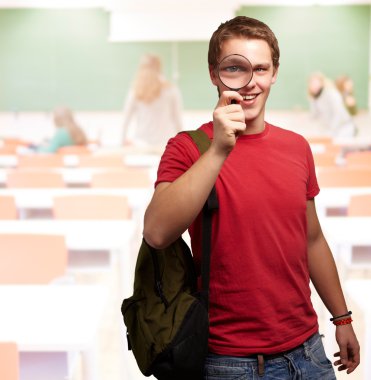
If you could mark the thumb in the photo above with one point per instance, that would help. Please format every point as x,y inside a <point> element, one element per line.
<point>343,354</point>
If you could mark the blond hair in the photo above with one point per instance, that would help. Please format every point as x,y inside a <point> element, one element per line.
<point>149,82</point>
<point>63,118</point>
<point>322,81</point>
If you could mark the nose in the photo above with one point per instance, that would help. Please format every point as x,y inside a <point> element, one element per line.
<point>252,81</point>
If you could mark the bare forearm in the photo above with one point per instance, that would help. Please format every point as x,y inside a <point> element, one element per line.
<point>175,205</point>
<point>324,276</point>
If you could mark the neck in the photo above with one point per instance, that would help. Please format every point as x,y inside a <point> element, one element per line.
<point>254,127</point>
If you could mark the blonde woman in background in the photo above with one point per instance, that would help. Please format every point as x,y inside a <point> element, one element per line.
<point>155,104</point>
<point>345,86</point>
<point>67,132</point>
<point>326,104</point>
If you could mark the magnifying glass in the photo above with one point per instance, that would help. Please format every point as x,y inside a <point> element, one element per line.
<point>235,71</point>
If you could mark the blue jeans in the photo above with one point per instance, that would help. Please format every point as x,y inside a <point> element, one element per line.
<point>307,362</point>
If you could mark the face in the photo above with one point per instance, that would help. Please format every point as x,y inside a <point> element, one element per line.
<point>264,75</point>
<point>315,85</point>
<point>348,85</point>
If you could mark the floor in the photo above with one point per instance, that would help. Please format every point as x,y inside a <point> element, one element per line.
<point>115,362</point>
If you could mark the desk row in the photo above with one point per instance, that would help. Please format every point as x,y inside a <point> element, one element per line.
<point>79,160</point>
<point>76,177</point>
<point>73,203</point>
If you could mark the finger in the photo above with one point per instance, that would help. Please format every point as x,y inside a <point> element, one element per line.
<point>227,114</point>
<point>353,363</point>
<point>342,368</point>
<point>227,97</point>
<point>351,369</point>
<point>233,109</point>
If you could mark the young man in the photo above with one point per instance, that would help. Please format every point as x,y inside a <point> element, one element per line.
<point>267,241</point>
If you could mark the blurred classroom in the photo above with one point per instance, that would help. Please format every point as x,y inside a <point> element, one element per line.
<point>71,220</point>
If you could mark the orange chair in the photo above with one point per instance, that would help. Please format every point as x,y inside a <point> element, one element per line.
<point>324,144</point>
<point>40,161</point>
<point>360,205</point>
<point>121,178</point>
<point>14,142</point>
<point>32,258</point>
<point>361,159</point>
<point>319,139</point>
<point>34,179</point>
<point>108,207</point>
<point>8,208</point>
<point>74,149</point>
<point>9,361</point>
<point>344,177</point>
<point>102,161</point>
<point>333,148</point>
<point>8,150</point>
<point>93,207</point>
<point>325,159</point>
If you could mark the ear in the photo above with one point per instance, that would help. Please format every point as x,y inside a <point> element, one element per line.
<point>214,78</point>
<point>275,74</point>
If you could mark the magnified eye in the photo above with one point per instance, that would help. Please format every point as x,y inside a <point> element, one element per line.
<point>235,71</point>
<point>232,69</point>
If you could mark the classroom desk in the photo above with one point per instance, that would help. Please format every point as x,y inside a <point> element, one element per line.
<point>42,199</point>
<point>347,229</point>
<point>359,291</point>
<point>113,236</point>
<point>73,177</point>
<point>54,318</point>
<point>337,197</point>
<point>345,232</point>
<point>8,161</point>
<point>131,159</point>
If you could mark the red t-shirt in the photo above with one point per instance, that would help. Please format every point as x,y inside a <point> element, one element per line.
<point>259,280</point>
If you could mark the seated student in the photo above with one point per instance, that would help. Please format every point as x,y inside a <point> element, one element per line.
<point>67,132</point>
<point>327,105</point>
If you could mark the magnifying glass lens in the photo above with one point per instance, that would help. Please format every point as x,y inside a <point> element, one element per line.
<point>235,71</point>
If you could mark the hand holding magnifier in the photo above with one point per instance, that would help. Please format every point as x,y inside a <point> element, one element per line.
<point>235,72</point>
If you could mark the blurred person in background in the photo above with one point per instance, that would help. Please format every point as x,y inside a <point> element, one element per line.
<point>345,85</point>
<point>155,104</point>
<point>326,104</point>
<point>67,132</point>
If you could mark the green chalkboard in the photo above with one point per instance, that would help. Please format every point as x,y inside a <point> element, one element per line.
<point>53,57</point>
<point>330,39</point>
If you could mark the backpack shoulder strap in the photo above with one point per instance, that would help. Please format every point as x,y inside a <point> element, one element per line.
<point>202,141</point>
<point>200,138</point>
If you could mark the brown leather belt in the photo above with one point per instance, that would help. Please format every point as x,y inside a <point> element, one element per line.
<point>261,358</point>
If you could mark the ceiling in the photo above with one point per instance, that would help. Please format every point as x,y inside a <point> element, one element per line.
<point>165,20</point>
<point>163,5</point>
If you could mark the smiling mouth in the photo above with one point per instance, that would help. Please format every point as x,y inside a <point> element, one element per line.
<point>249,97</point>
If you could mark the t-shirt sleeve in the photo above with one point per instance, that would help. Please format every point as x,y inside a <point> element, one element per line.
<point>178,157</point>
<point>312,184</point>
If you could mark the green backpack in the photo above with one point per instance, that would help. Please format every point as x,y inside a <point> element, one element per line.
<point>166,318</point>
